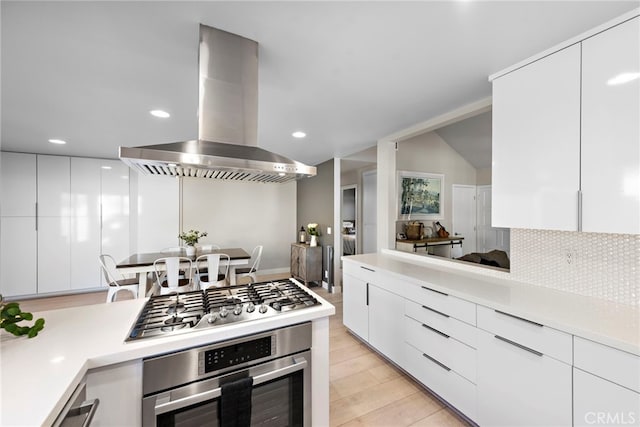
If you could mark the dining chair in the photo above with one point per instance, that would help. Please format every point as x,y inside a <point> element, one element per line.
<point>212,277</point>
<point>256,255</point>
<point>169,280</point>
<point>116,281</point>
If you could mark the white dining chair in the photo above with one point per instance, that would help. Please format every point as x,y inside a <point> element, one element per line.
<point>256,256</point>
<point>213,277</point>
<point>116,281</point>
<point>169,280</point>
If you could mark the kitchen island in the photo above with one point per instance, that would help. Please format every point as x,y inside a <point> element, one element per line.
<point>39,375</point>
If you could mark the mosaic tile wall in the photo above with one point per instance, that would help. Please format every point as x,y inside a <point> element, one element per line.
<point>605,266</point>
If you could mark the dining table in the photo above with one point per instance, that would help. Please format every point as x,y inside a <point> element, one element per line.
<point>141,264</point>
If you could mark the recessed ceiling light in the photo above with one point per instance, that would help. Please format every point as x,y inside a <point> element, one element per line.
<point>106,167</point>
<point>57,141</point>
<point>160,113</point>
<point>299,134</point>
<point>622,78</point>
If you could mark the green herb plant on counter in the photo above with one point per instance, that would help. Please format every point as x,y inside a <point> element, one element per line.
<point>11,315</point>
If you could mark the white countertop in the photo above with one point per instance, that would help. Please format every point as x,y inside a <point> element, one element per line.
<point>38,375</point>
<point>609,323</point>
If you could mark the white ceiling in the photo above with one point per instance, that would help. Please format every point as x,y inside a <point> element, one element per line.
<point>347,73</point>
<point>471,138</point>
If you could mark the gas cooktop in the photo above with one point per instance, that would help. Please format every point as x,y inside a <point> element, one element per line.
<point>176,313</point>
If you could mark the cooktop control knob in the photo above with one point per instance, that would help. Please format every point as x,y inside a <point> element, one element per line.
<point>224,312</point>
<point>212,318</point>
<point>251,308</point>
<point>263,308</point>
<point>238,310</point>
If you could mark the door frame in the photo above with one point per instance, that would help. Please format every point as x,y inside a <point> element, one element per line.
<point>474,213</point>
<point>357,214</point>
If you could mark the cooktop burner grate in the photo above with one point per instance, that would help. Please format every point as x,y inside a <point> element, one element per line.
<point>178,313</point>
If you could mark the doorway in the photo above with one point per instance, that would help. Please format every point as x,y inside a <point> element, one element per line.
<point>464,216</point>
<point>348,215</point>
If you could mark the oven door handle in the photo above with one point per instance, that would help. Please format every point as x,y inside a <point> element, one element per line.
<point>299,363</point>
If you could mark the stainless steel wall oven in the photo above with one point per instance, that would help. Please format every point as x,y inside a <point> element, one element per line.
<point>262,379</point>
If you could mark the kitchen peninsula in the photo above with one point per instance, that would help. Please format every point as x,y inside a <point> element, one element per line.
<point>88,344</point>
<point>495,349</point>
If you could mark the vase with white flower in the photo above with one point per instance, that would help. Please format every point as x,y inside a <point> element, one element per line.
<point>313,231</point>
<point>190,238</point>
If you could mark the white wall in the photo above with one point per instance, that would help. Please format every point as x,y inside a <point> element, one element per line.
<point>156,215</point>
<point>243,215</point>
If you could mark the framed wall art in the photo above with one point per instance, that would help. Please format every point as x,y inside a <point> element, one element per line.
<point>420,195</point>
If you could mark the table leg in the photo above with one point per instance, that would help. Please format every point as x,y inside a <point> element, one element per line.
<point>143,282</point>
<point>232,275</point>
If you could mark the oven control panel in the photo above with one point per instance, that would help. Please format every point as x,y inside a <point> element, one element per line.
<point>235,354</point>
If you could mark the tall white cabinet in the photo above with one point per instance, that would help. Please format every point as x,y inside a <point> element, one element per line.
<point>58,214</point>
<point>18,227</point>
<point>565,137</point>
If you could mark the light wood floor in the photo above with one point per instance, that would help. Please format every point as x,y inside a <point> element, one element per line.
<point>365,389</point>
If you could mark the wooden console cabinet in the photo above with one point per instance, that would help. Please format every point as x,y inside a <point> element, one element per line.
<point>306,262</point>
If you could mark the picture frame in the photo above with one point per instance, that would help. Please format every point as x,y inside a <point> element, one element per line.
<point>420,195</point>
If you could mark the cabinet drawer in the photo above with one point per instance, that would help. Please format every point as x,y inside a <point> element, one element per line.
<point>453,388</point>
<point>599,402</point>
<point>363,272</point>
<point>455,328</point>
<point>442,302</point>
<point>445,349</point>
<point>609,363</point>
<point>543,339</point>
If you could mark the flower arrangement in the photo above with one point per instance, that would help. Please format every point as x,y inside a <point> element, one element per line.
<point>312,229</point>
<point>191,237</point>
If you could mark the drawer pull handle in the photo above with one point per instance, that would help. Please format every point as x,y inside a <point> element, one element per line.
<point>436,362</point>
<point>530,350</point>
<point>433,290</point>
<point>435,311</point>
<point>519,318</point>
<point>368,269</point>
<point>435,330</point>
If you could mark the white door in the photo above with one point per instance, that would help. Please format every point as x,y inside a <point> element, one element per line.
<point>464,216</point>
<point>369,214</point>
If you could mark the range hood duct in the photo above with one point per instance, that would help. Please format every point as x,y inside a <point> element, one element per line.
<point>227,146</point>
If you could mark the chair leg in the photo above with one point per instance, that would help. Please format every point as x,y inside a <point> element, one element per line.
<point>111,293</point>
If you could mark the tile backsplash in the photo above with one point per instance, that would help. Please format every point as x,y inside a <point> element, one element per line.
<point>605,266</point>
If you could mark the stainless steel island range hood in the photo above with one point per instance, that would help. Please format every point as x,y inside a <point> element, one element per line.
<point>227,146</point>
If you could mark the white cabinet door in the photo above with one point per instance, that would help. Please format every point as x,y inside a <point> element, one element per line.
<point>18,184</point>
<point>19,261</point>
<point>610,130</point>
<point>536,144</point>
<point>517,387</point>
<point>85,223</point>
<point>54,258</point>
<point>54,186</point>
<point>386,320</point>
<point>115,209</point>
<point>600,402</point>
<point>355,306</point>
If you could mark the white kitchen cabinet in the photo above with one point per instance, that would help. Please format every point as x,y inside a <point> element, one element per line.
<point>18,184</point>
<point>85,222</point>
<point>565,138</point>
<point>18,235</point>
<point>610,151</point>
<point>119,389</point>
<point>115,209</point>
<point>597,401</point>
<point>355,303</point>
<point>18,267</point>
<point>386,316</point>
<point>54,257</point>
<point>521,386</point>
<point>536,144</point>
<point>54,186</point>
